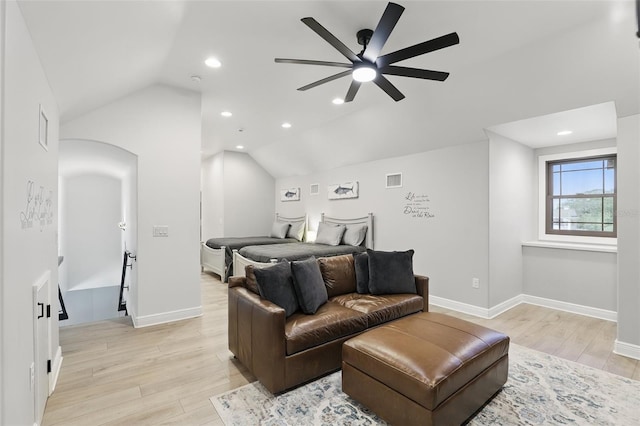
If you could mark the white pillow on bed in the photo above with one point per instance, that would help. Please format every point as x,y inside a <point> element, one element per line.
<point>279,229</point>
<point>329,234</point>
<point>296,230</point>
<point>354,234</point>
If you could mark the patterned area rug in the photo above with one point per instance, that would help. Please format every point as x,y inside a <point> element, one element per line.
<point>541,390</point>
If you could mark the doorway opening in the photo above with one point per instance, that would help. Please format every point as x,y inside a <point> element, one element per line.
<point>98,225</point>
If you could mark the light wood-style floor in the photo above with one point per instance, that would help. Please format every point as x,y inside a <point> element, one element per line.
<point>113,374</point>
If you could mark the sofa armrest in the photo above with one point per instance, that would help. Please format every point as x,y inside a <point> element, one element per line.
<point>237,282</point>
<point>256,336</point>
<point>422,287</point>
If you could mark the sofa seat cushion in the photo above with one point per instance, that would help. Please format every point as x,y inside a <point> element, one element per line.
<point>330,322</point>
<point>381,309</point>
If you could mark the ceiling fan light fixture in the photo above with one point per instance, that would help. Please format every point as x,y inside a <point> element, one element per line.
<point>364,73</point>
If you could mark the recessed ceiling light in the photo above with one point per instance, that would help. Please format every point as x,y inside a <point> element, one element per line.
<point>286,125</point>
<point>226,114</point>
<point>212,62</point>
<point>338,101</point>
<point>564,133</point>
<point>239,146</point>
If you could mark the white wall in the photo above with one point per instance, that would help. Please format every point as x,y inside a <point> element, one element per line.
<point>574,276</point>
<point>584,278</point>
<point>237,196</point>
<point>629,234</point>
<point>451,247</point>
<point>248,206</point>
<point>91,239</point>
<point>160,125</point>
<point>29,246</point>
<point>3,9</point>
<point>130,235</point>
<point>212,188</point>
<point>511,172</point>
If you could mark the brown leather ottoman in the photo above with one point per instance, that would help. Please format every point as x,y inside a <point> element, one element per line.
<point>426,369</point>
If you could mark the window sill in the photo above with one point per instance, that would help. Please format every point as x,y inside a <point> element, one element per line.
<point>572,246</point>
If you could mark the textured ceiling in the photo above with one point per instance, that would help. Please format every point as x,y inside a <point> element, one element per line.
<point>516,60</point>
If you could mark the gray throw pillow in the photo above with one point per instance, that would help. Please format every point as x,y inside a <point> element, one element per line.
<point>279,229</point>
<point>275,284</point>
<point>296,230</point>
<point>361,265</point>
<point>329,234</point>
<point>391,272</point>
<point>309,285</point>
<point>354,234</point>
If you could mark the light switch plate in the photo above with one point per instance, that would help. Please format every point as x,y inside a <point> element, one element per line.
<point>160,231</point>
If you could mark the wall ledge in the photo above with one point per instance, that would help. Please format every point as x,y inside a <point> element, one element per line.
<point>626,349</point>
<point>572,246</point>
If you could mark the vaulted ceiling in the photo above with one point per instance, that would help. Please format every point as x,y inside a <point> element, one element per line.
<point>516,60</point>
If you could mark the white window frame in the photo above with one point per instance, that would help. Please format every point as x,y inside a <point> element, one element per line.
<point>542,194</point>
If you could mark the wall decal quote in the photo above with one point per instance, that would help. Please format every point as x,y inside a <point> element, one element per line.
<point>417,205</point>
<point>38,207</point>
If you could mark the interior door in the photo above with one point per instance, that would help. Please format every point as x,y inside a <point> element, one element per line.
<point>41,324</point>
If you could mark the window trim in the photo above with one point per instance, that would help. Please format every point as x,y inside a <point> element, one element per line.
<point>542,197</point>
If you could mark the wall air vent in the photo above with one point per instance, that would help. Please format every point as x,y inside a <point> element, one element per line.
<point>394,180</point>
<point>314,189</point>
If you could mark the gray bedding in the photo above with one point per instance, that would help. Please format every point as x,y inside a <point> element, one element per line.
<point>295,251</point>
<point>236,243</point>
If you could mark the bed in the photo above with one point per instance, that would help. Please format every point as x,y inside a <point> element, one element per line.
<point>265,255</point>
<point>216,254</point>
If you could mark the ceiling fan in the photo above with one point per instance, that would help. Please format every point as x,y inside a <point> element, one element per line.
<point>369,65</point>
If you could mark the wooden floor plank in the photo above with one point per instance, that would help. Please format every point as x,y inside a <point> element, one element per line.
<point>113,373</point>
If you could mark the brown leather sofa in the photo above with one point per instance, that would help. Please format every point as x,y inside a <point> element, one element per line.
<point>285,352</point>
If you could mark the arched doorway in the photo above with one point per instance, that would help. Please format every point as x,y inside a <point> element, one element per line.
<point>98,216</point>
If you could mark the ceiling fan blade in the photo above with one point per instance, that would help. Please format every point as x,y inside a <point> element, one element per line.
<point>331,39</point>
<point>380,35</point>
<point>415,72</point>
<point>325,80</point>
<point>386,85</point>
<point>418,49</point>
<point>353,89</point>
<point>310,62</point>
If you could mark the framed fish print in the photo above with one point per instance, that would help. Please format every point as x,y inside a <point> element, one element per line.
<point>343,190</point>
<point>290,194</point>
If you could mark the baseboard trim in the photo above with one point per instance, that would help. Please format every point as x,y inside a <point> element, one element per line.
<point>505,306</point>
<point>465,308</point>
<point>626,349</point>
<point>498,309</point>
<point>55,370</point>
<point>165,317</point>
<point>571,307</point>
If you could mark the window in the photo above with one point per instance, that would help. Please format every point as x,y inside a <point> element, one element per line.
<point>581,196</point>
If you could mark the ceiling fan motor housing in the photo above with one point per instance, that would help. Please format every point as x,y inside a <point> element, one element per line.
<point>369,64</point>
<point>364,36</point>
